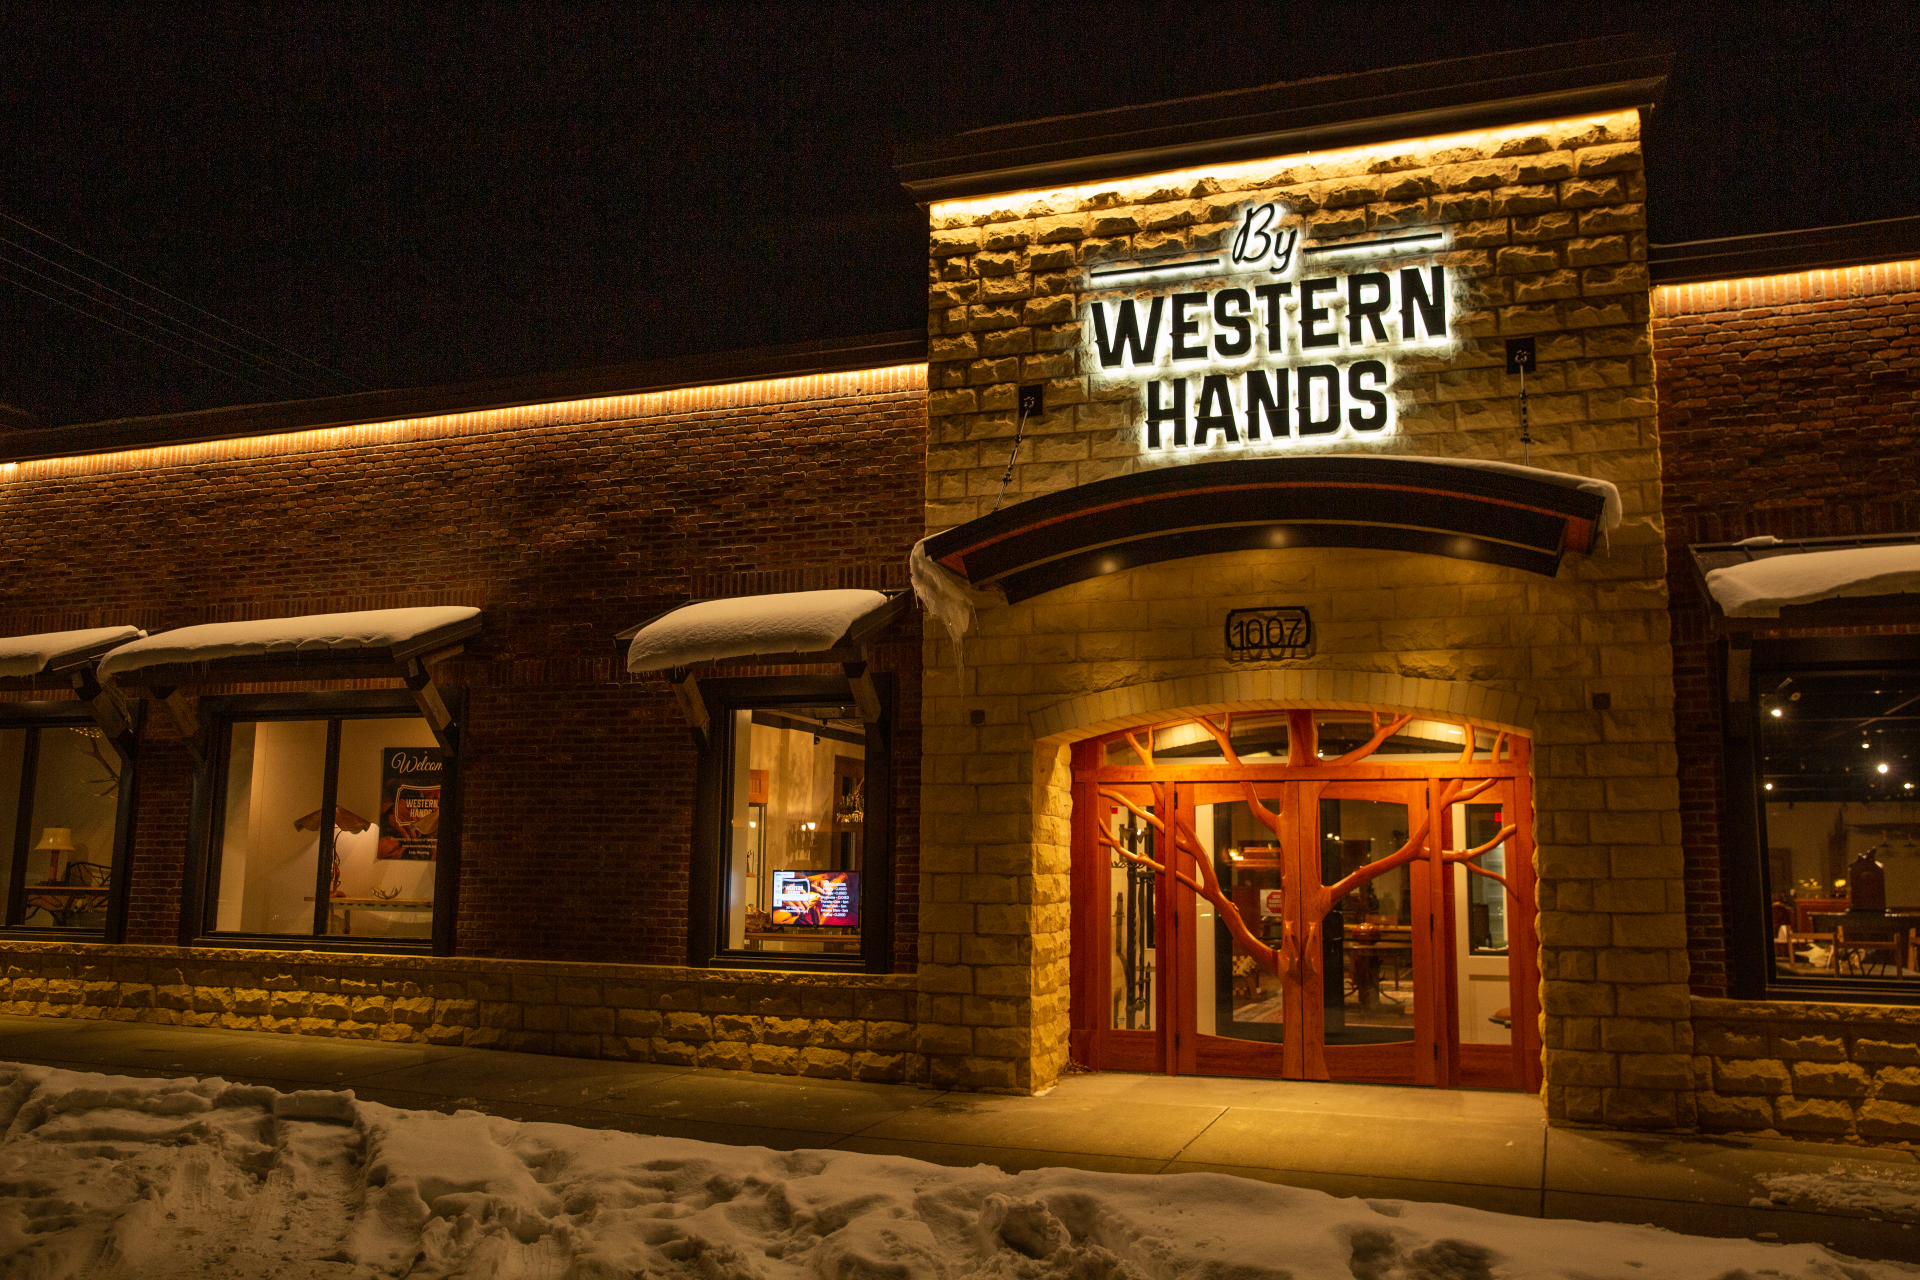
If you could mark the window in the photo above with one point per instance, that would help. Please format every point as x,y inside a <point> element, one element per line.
<point>64,791</point>
<point>335,825</point>
<point>792,865</point>
<point>1836,766</point>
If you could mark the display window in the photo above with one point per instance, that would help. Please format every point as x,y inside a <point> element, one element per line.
<point>65,792</point>
<point>797,859</point>
<point>1835,747</point>
<point>337,826</point>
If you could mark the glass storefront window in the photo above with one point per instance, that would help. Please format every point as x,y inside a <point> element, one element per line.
<point>1839,761</point>
<point>796,865</point>
<point>285,869</point>
<point>59,805</point>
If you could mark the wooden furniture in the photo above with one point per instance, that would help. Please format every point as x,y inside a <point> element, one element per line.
<point>827,941</point>
<point>1796,940</point>
<point>82,889</point>
<point>1804,910</point>
<point>1370,949</point>
<point>342,908</point>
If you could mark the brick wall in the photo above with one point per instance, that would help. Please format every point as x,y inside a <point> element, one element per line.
<point>565,523</point>
<point>1789,405</point>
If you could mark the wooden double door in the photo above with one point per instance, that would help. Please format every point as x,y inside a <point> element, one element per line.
<point>1307,927</point>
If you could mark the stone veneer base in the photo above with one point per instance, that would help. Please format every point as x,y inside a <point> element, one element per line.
<point>828,1025</point>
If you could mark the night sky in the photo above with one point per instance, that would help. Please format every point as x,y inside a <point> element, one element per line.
<point>408,196</point>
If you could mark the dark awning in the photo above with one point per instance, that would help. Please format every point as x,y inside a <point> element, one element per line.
<point>793,626</point>
<point>370,643</point>
<point>771,630</point>
<point>25,657</point>
<point>1496,513</point>
<point>1766,582</point>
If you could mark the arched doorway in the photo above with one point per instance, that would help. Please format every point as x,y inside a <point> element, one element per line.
<point>1302,893</point>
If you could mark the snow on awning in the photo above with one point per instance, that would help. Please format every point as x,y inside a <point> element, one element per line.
<point>796,626</point>
<point>1760,577</point>
<point>26,656</point>
<point>386,637</point>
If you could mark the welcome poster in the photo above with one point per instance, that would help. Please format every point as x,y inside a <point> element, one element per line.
<point>410,782</point>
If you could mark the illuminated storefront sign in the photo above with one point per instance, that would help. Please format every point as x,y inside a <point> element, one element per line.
<point>1271,341</point>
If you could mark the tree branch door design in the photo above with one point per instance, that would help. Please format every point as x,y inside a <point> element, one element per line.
<point>1267,911</point>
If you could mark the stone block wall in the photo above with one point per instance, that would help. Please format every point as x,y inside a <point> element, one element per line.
<point>834,1026</point>
<point>1547,225</point>
<point>1844,1072</point>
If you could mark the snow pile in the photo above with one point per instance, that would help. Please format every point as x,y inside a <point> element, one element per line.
<point>107,1176</point>
<point>742,627</point>
<point>30,655</point>
<point>1759,588</point>
<point>1891,1199</point>
<point>369,629</point>
<point>945,595</point>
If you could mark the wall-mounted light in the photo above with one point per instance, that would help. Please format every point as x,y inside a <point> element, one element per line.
<point>1769,786</point>
<point>1777,713</point>
<point>1883,768</point>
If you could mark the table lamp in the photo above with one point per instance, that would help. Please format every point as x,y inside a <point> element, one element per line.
<point>56,841</point>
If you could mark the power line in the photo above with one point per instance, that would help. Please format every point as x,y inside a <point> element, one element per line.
<point>101,302</point>
<point>346,377</point>
<point>141,337</point>
<point>294,376</point>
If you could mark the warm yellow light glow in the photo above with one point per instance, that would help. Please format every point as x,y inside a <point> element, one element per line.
<point>1777,713</point>
<point>605,410</point>
<point>1820,285</point>
<point>1769,786</point>
<point>1883,768</point>
<point>1620,123</point>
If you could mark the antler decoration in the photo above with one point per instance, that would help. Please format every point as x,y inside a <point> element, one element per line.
<point>1318,899</point>
<point>1183,841</point>
<point>110,784</point>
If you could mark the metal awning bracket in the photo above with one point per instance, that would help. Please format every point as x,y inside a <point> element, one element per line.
<point>686,691</point>
<point>433,707</point>
<point>184,711</point>
<point>110,708</point>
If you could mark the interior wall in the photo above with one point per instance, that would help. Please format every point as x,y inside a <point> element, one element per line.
<point>363,748</point>
<point>1807,828</point>
<point>799,791</point>
<point>289,761</point>
<point>76,785</point>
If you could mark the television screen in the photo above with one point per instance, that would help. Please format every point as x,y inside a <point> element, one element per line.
<point>817,897</point>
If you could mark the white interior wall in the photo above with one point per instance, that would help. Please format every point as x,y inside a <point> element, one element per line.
<point>363,748</point>
<point>288,769</point>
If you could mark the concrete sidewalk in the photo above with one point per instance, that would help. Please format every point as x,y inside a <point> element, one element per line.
<point>1481,1149</point>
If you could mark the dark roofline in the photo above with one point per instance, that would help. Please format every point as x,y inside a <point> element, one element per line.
<point>1731,257</point>
<point>837,355</point>
<point>1578,78</point>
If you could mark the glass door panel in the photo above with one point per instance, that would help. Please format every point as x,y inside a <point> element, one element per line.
<point>1372,991</point>
<point>1130,910</point>
<point>1367,937</point>
<point>1242,1009</point>
<point>1132,888</point>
